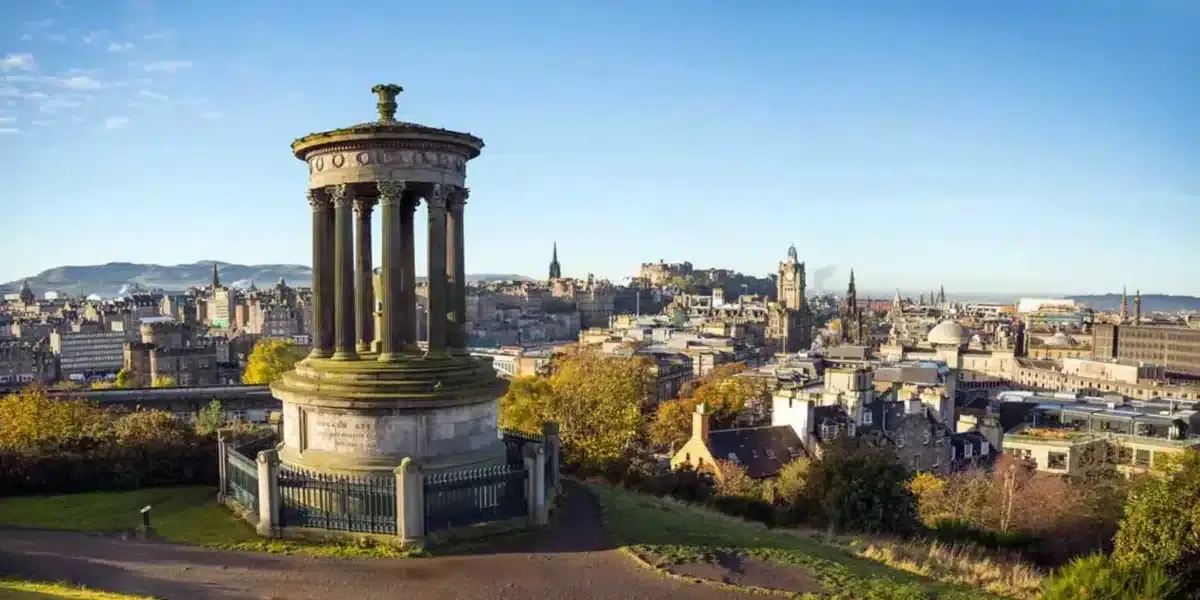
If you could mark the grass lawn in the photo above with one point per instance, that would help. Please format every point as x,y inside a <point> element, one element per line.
<point>184,514</point>
<point>19,589</point>
<point>680,533</point>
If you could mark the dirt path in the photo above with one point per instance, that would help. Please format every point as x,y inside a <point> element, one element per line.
<point>571,559</point>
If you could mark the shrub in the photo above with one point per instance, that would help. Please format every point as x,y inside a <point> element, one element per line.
<point>750,509</point>
<point>1099,577</point>
<point>1161,526</point>
<point>54,446</point>
<point>858,486</point>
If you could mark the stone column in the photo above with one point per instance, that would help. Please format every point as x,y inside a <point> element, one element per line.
<point>437,270</point>
<point>408,274</point>
<point>343,272</point>
<point>535,490</point>
<point>322,343</point>
<point>410,502</point>
<point>268,493</point>
<point>456,273</point>
<point>391,335</point>
<point>365,287</point>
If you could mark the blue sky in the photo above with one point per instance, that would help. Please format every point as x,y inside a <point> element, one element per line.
<point>1020,146</point>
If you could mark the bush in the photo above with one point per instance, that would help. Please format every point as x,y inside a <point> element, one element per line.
<point>858,486</point>
<point>1099,577</point>
<point>751,509</point>
<point>54,446</point>
<point>1161,526</point>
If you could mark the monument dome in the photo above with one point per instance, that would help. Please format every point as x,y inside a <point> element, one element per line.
<point>948,333</point>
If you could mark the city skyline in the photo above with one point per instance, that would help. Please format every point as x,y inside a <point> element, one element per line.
<point>1026,152</point>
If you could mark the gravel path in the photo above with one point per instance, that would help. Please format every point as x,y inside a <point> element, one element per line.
<point>571,559</point>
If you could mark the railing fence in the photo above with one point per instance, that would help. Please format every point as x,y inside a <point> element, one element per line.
<point>460,498</point>
<point>338,502</point>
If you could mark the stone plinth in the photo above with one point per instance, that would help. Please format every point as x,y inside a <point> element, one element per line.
<point>363,416</point>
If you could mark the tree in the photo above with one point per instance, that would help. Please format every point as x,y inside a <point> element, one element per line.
<point>789,485</point>
<point>860,486</point>
<point>211,418</point>
<point>163,381</point>
<point>526,404</point>
<point>724,395</point>
<point>269,360</point>
<point>597,401</point>
<point>733,481</point>
<point>31,419</point>
<point>125,378</point>
<point>103,385</point>
<point>1162,523</point>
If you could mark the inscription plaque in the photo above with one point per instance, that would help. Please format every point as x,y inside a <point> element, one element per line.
<point>361,434</point>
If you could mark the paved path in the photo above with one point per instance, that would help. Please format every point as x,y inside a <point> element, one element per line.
<point>571,559</point>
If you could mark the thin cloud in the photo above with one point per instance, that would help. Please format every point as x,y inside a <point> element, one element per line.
<point>93,37</point>
<point>18,62</point>
<point>166,66</point>
<point>9,131</point>
<point>57,103</point>
<point>57,37</point>
<point>79,82</point>
<point>120,46</point>
<point>7,119</point>
<point>42,24</point>
<point>27,37</point>
<point>42,123</point>
<point>211,115</point>
<point>116,122</point>
<point>157,36</point>
<point>152,95</point>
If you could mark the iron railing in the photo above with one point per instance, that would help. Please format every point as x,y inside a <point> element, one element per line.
<point>514,445</point>
<point>364,504</point>
<point>458,498</point>
<point>242,477</point>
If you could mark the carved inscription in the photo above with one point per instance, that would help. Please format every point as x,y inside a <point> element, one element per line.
<point>360,434</point>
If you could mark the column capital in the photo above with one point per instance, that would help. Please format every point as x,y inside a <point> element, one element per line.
<point>391,192</point>
<point>317,200</point>
<point>457,198</point>
<point>340,194</point>
<point>363,206</point>
<point>439,196</point>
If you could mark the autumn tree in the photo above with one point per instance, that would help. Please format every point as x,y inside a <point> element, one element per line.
<point>1162,523</point>
<point>526,404</point>
<point>163,381</point>
<point>211,418</point>
<point>269,360</point>
<point>724,395</point>
<point>125,378</point>
<point>598,402</point>
<point>732,480</point>
<point>30,419</point>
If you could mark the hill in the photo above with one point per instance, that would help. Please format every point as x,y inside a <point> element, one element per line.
<point>108,279</point>
<point>1150,302</point>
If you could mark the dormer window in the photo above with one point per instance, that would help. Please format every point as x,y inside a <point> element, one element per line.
<point>770,454</point>
<point>867,417</point>
<point>732,457</point>
<point>967,450</point>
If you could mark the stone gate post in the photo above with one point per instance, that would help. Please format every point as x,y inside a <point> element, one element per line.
<point>553,451</point>
<point>410,502</point>
<point>535,483</point>
<point>268,493</point>
<point>224,439</point>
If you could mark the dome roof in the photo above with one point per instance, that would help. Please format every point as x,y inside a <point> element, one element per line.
<point>1059,340</point>
<point>948,333</point>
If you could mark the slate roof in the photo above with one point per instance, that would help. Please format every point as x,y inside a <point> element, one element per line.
<point>761,451</point>
<point>975,440</point>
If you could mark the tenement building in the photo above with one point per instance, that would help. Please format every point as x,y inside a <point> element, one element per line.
<point>352,405</point>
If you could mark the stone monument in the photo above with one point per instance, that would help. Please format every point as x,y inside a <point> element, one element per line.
<point>363,400</point>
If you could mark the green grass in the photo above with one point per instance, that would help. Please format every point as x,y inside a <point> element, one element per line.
<point>678,533</point>
<point>20,589</point>
<point>184,515</point>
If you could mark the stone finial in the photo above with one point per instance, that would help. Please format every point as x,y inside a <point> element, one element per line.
<point>387,101</point>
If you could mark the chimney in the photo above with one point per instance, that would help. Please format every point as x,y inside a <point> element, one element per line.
<point>700,423</point>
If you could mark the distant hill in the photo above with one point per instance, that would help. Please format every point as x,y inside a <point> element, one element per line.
<point>1150,302</point>
<point>107,280</point>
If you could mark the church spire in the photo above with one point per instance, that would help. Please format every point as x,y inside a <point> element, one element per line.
<point>1137,308</point>
<point>216,280</point>
<point>1124,305</point>
<point>555,268</point>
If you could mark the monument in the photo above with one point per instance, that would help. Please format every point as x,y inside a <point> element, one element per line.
<point>363,400</point>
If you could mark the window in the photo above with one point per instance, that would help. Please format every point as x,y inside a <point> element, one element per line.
<point>937,459</point>
<point>1141,458</point>
<point>1056,460</point>
<point>968,451</point>
<point>899,442</point>
<point>916,462</point>
<point>867,417</point>
<point>770,454</point>
<point>928,436</point>
<point>732,458</point>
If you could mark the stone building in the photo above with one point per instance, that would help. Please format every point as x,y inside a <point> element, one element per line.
<point>1176,348</point>
<point>86,354</point>
<point>26,361</point>
<point>789,322</point>
<point>657,274</point>
<point>168,348</point>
